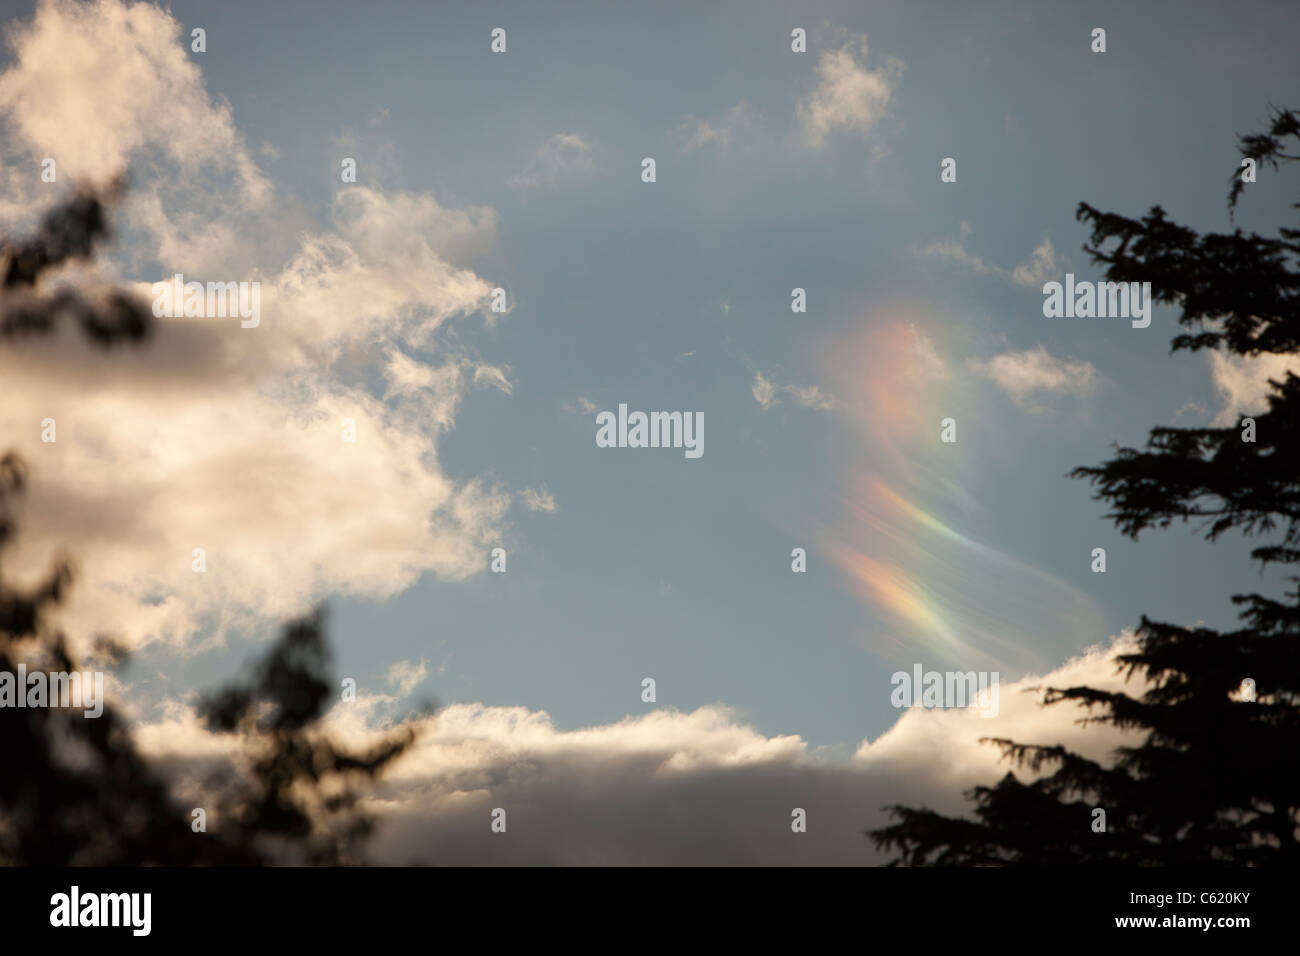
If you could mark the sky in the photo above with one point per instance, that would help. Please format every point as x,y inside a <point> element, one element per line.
<point>775,170</point>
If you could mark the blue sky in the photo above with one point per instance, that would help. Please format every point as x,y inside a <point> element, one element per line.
<point>675,295</point>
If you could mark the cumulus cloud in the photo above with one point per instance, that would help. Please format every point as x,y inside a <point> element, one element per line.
<point>385,268</point>
<point>93,84</point>
<point>667,787</point>
<point>849,96</point>
<point>562,153</point>
<point>768,394</point>
<point>1023,375</point>
<point>262,447</point>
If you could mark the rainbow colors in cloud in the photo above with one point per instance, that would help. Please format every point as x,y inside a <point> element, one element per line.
<point>937,593</point>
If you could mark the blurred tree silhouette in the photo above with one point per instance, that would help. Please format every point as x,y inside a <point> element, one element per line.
<point>1216,778</point>
<point>69,232</point>
<point>300,802</point>
<point>75,790</point>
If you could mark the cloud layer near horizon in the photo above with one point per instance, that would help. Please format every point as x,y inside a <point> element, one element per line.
<point>665,787</point>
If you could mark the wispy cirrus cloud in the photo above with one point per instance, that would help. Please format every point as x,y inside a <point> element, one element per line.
<point>1043,262</point>
<point>562,153</point>
<point>580,406</point>
<point>1042,265</point>
<point>768,394</point>
<point>405,676</point>
<point>720,132</point>
<point>538,499</point>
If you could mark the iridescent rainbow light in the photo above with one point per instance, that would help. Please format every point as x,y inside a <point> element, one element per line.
<point>940,593</point>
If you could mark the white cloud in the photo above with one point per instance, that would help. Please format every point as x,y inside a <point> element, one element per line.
<point>485,374</point>
<point>210,435</point>
<point>764,392</point>
<point>580,406</point>
<point>1242,381</point>
<point>767,394</point>
<point>954,250</point>
<point>95,83</point>
<point>696,133</point>
<point>535,499</point>
<point>667,787</point>
<point>1042,266</point>
<point>848,97</point>
<point>1043,262</point>
<point>1022,375</point>
<point>562,153</point>
<point>810,396</point>
<point>928,364</point>
<point>405,676</point>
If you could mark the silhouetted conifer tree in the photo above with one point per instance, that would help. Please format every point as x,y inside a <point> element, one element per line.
<point>1216,778</point>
